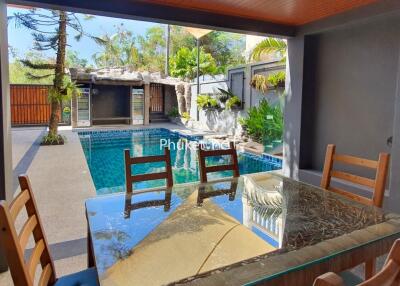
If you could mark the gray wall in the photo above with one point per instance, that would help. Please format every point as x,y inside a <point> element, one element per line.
<point>343,89</point>
<point>352,92</point>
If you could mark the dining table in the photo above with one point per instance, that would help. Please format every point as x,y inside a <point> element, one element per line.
<point>257,229</point>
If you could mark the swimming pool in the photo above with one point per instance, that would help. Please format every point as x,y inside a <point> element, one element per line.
<point>104,154</point>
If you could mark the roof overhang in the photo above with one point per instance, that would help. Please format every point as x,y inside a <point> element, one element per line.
<point>263,17</point>
<point>139,10</point>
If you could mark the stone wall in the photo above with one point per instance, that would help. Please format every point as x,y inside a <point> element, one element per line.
<point>170,100</point>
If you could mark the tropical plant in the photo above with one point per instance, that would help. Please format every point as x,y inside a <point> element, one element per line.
<point>118,50</point>
<point>49,30</point>
<point>225,95</point>
<point>259,82</point>
<point>73,60</point>
<point>151,47</point>
<point>205,101</point>
<point>174,112</point>
<point>233,102</point>
<point>184,64</point>
<point>186,116</point>
<point>270,46</point>
<point>264,123</point>
<point>277,79</point>
<point>226,48</point>
<point>20,74</point>
<point>263,83</point>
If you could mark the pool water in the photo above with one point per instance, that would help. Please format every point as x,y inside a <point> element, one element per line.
<point>104,152</point>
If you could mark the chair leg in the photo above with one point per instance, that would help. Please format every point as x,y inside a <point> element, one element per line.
<point>370,268</point>
<point>90,257</point>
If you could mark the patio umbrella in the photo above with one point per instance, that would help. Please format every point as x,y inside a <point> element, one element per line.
<point>198,33</point>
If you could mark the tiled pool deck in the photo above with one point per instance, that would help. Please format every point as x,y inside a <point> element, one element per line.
<point>61,181</point>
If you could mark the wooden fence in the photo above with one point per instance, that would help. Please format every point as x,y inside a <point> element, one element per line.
<point>29,104</point>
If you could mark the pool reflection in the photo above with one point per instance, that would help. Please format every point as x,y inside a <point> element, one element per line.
<point>130,206</point>
<point>209,191</point>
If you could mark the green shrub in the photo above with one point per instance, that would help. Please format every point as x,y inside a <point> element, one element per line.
<point>277,79</point>
<point>225,95</point>
<point>186,115</point>
<point>204,101</point>
<point>51,139</point>
<point>174,112</point>
<point>264,123</point>
<point>233,102</point>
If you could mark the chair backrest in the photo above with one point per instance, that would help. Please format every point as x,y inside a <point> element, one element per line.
<point>377,184</point>
<point>388,276</point>
<point>130,179</point>
<point>203,154</point>
<point>23,271</point>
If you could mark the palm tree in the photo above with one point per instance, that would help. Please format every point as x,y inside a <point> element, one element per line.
<point>268,46</point>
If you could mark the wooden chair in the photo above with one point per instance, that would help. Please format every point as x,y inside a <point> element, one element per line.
<point>388,276</point>
<point>377,184</point>
<point>203,154</point>
<point>23,270</point>
<point>130,179</point>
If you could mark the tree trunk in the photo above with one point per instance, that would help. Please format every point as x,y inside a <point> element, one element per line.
<point>56,100</point>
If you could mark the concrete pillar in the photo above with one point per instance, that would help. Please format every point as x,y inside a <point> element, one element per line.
<point>146,104</point>
<point>6,191</point>
<point>392,203</point>
<point>293,102</point>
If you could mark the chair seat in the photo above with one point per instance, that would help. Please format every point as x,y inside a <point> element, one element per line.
<point>350,279</point>
<point>86,277</point>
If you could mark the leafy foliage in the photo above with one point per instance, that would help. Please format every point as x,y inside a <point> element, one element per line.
<point>264,123</point>
<point>226,48</point>
<point>269,46</point>
<point>147,52</point>
<point>184,64</point>
<point>233,102</point>
<point>174,112</point>
<point>225,95</point>
<point>263,83</point>
<point>151,49</point>
<point>205,101</point>
<point>118,50</point>
<point>186,115</point>
<point>20,74</point>
<point>259,82</point>
<point>73,60</point>
<point>277,79</point>
<point>53,139</point>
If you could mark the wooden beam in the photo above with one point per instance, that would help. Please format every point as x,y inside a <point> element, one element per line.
<point>165,14</point>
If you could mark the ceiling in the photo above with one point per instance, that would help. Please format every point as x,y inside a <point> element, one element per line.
<point>288,12</point>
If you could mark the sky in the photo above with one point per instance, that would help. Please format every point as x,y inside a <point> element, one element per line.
<point>21,40</point>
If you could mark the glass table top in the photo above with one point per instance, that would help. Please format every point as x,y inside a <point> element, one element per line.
<point>158,236</point>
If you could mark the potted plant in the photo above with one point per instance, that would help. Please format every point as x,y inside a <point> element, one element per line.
<point>277,80</point>
<point>207,103</point>
<point>264,83</point>
<point>185,117</point>
<point>259,82</point>
<point>233,103</point>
